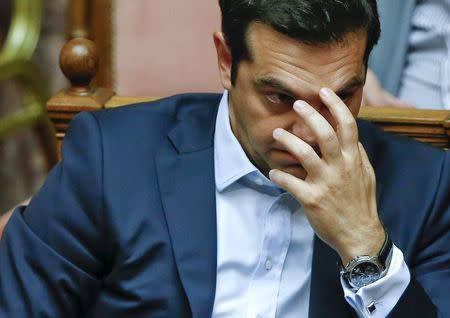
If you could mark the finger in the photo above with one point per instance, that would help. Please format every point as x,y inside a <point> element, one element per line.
<point>305,154</point>
<point>371,179</point>
<point>322,130</point>
<point>367,165</point>
<point>362,151</point>
<point>297,187</point>
<point>347,130</point>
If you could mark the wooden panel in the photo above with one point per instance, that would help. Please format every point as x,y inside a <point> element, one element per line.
<point>431,126</point>
<point>166,47</point>
<point>418,116</point>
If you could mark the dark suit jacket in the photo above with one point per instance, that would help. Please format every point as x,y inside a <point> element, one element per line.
<point>125,225</point>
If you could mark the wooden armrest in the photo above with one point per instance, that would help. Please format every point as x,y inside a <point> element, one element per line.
<point>431,126</point>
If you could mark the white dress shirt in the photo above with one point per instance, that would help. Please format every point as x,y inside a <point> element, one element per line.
<point>265,244</point>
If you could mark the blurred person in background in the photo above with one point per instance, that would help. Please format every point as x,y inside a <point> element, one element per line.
<point>410,67</point>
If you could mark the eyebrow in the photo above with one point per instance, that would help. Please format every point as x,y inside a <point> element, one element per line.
<point>270,81</point>
<point>274,83</point>
<point>355,81</point>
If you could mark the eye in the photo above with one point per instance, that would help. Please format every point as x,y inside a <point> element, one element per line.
<point>280,99</point>
<point>345,96</point>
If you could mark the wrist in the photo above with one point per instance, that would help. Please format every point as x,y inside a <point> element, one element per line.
<point>366,244</point>
<point>364,270</point>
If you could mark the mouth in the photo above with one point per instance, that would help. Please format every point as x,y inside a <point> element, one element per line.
<point>285,158</point>
<point>286,162</point>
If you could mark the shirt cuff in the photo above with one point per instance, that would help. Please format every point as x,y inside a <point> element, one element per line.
<point>379,298</point>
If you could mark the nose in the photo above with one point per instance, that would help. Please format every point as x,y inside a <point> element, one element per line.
<point>302,131</point>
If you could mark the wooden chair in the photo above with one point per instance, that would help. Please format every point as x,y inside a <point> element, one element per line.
<point>92,19</point>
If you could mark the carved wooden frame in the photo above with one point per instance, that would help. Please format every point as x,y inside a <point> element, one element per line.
<point>93,19</point>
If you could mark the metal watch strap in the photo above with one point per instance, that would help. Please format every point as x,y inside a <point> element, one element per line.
<point>380,262</point>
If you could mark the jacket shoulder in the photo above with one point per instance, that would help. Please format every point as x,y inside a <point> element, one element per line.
<point>402,164</point>
<point>171,108</point>
<point>151,119</point>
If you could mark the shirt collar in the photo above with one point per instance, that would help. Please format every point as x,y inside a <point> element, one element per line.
<point>231,162</point>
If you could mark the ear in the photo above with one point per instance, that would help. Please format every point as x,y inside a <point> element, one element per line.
<point>224,59</point>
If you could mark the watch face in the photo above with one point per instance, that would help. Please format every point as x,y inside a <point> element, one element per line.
<point>364,273</point>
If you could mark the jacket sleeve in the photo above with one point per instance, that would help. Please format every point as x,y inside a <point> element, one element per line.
<point>53,252</point>
<point>428,292</point>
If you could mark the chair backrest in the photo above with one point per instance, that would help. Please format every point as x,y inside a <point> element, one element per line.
<point>79,61</point>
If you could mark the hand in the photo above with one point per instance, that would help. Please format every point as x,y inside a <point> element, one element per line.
<point>375,95</point>
<point>339,192</point>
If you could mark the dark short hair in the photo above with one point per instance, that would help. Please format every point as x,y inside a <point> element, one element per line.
<point>309,21</point>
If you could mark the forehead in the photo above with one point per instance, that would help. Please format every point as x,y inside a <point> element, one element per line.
<point>309,66</point>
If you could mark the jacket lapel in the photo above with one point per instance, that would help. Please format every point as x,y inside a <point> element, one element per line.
<point>186,178</point>
<point>327,296</point>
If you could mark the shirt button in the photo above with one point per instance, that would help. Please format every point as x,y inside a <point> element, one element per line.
<point>268,264</point>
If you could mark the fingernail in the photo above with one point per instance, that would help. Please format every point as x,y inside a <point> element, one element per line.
<point>298,105</point>
<point>271,173</point>
<point>277,133</point>
<point>325,92</point>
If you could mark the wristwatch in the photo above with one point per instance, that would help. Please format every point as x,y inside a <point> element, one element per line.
<point>365,270</point>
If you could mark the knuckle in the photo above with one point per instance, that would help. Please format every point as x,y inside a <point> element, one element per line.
<point>345,173</point>
<point>350,126</point>
<point>329,137</point>
<point>370,172</point>
<point>314,198</point>
<point>310,200</point>
<point>280,178</point>
<point>306,152</point>
<point>337,103</point>
<point>349,123</point>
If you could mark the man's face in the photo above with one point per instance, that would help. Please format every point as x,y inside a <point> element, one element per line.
<point>282,71</point>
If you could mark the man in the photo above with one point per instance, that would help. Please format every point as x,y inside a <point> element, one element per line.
<point>167,209</point>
